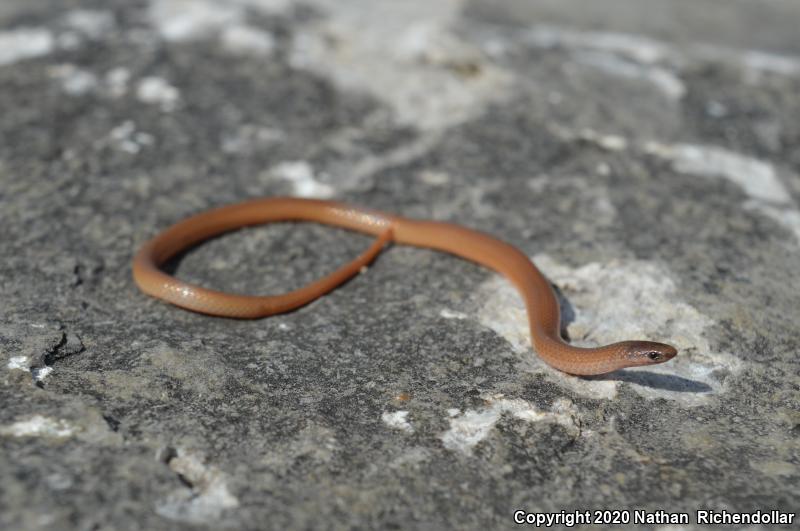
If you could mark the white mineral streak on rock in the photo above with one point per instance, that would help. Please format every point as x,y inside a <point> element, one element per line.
<point>638,48</point>
<point>24,43</point>
<point>182,20</point>
<point>757,178</point>
<point>404,54</point>
<point>773,63</point>
<point>157,91</point>
<point>353,174</point>
<point>620,54</point>
<point>249,138</point>
<point>208,496</point>
<point>609,142</point>
<point>468,429</point>
<point>648,51</point>
<point>397,420</point>
<point>74,80</point>
<point>451,314</point>
<point>21,363</point>
<point>126,138</point>
<point>247,40</point>
<point>91,23</point>
<point>612,302</point>
<point>662,78</point>
<point>654,61</point>
<point>116,81</point>
<point>755,63</point>
<point>39,426</point>
<point>40,373</point>
<point>434,178</point>
<point>787,216</point>
<point>427,42</point>
<point>301,175</point>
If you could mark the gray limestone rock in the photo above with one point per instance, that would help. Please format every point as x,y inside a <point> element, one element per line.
<point>644,154</point>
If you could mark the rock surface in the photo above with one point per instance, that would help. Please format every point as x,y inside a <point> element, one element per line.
<point>643,152</point>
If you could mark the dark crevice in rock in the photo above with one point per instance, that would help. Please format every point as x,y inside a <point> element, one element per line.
<point>67,344</point>
<point>77,272</point>
<point>112,422</point>
<point>87,272</point>
<point>167,455</point>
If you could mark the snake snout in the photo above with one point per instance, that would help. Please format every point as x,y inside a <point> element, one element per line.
<point>659,352</point>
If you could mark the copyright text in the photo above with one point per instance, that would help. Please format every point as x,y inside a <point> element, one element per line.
<point>621,517</point>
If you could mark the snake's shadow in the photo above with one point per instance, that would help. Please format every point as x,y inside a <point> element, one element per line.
<point>566,309</point>
<point>171,266</point>
<point>173,263</point>
<point>655,380</point>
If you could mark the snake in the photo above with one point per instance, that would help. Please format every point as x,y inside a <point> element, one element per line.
<point>541,303</point>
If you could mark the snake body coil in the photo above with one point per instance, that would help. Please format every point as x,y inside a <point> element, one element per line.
<point>540,301</point>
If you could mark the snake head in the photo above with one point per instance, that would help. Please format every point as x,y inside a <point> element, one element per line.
<point>647,352</point>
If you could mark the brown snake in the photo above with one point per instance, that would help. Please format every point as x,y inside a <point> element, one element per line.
<point>540,301</point>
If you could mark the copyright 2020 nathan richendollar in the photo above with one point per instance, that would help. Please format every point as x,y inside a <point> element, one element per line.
<point>624,516</point>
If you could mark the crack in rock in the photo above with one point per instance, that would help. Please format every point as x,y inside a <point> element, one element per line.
<point>37,346</point>
<point>68,345</point>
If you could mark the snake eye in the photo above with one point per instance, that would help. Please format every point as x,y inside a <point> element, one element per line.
<point>654,355</point>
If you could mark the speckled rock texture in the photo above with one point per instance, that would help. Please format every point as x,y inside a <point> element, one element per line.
<point>644,153</point>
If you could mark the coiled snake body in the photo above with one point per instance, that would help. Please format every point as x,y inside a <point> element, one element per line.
<point>540,301</point>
